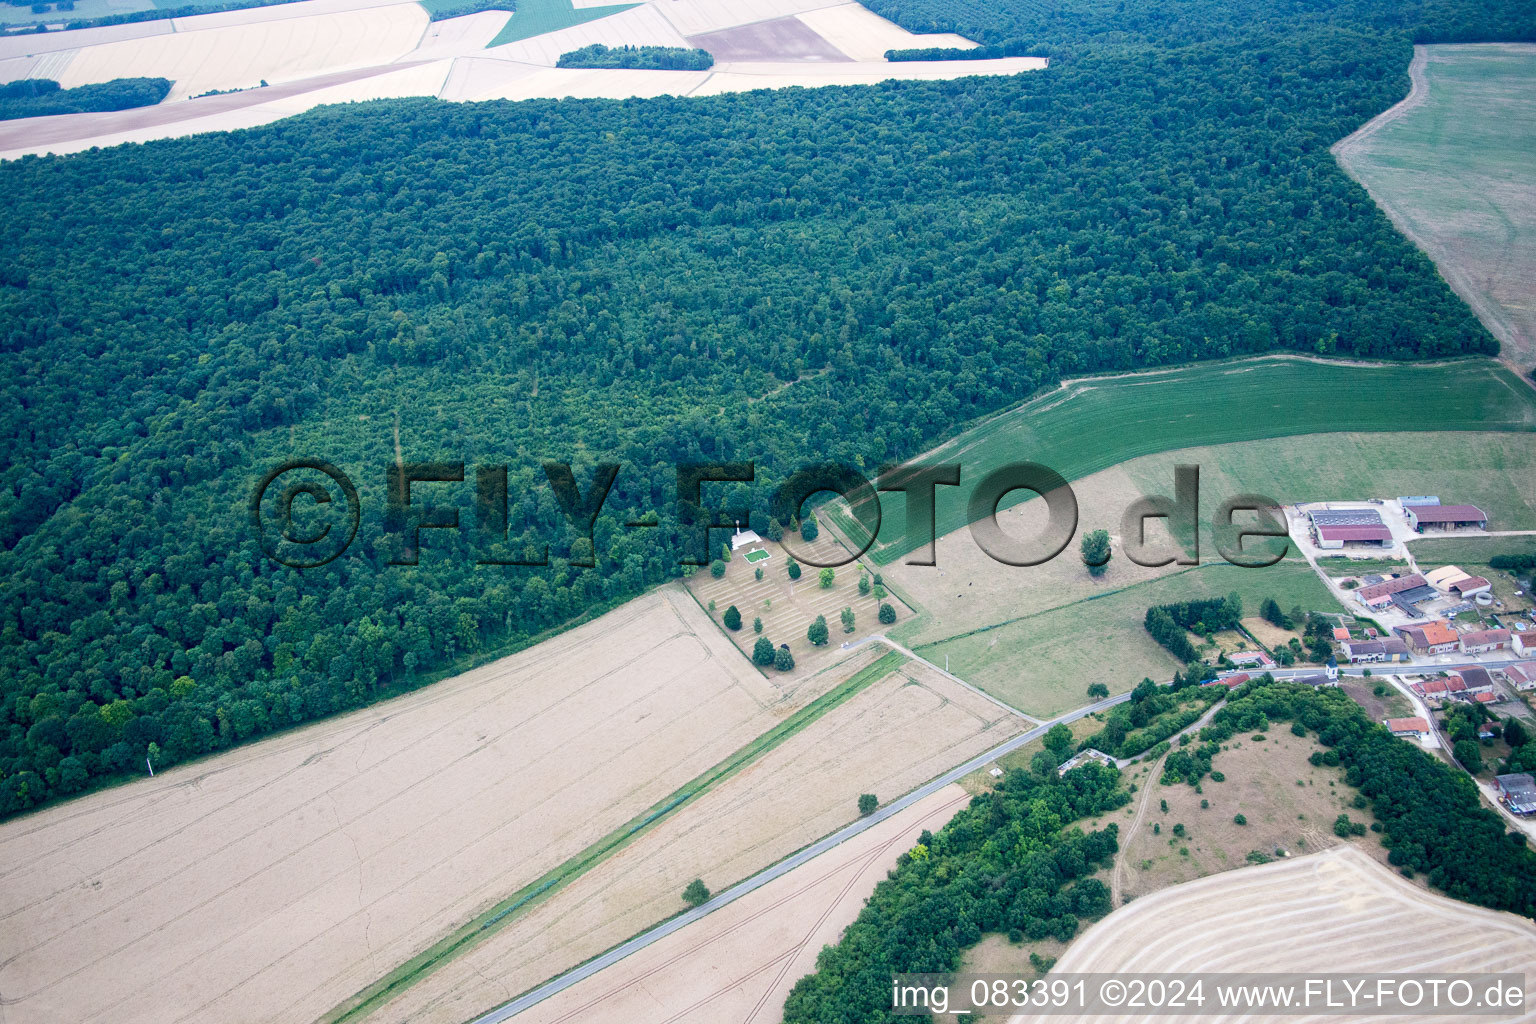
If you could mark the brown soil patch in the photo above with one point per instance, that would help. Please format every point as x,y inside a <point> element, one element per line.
<point>777,40</point>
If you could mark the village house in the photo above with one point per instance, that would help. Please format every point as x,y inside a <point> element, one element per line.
<point>1430,638</point>
<point>1483,640</point>
<point>1438,691</point>
<point>1358,652</point>
<point>1521,675</point>
<point>1477,680</point>
<point>1416,727</point>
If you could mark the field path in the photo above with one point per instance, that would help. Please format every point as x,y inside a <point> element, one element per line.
<point>1117,878</point>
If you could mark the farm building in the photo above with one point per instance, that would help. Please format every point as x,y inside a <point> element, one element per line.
<point>1438,578</point>
<point>1251,659</point>
<point>1422,499</point>
<point>1477,679</point>
<point>1485,698</point>
<point>1379,595</point>
<point>1445,517</point>
<point>1430,638</point>
<point>1415,727</point>
<point>1478,641</point>
<point>1517,792</point>
<point>1232,680</point>
<point>1469,586</point>
<point>1521,675</point>
<point>1082,757</point>
<point>1364,651</point>
<point>1334,528</point>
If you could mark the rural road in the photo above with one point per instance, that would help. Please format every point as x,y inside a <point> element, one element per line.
<point>783,867</point>
<point>578,974</point>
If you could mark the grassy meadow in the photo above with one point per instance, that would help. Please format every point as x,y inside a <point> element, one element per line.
<point>1091,425</point>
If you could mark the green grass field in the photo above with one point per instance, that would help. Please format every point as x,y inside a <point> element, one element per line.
<point>1043,663</point>
<point>1454,166</point>
<point>1093,424</point>
<point>1469,551</point>
<point>535,17</point>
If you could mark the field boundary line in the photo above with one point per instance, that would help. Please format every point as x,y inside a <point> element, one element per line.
<point>495,917</point>
<point>659,931</point>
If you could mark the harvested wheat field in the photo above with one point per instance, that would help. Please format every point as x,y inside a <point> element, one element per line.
<point>241,56</point>
<point>863,35</point>
<point>739,963</point>
<point>1336,911</point>
<point>273,882</point>
<point>907,726</point>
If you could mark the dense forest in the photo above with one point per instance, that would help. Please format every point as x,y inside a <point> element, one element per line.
<point>643,58</point>
<point>782,277</point>
<point>950,889</point>
<point>35,97</point>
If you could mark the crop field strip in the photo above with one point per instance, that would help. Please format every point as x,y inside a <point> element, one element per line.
<point>484,924</point>
<point>897,733</point>
<point>425,724</point>
<point>767,939</point>
<point>1093,424</point>
<point>1333,911</point>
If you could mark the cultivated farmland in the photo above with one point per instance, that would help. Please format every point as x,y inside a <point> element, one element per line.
<point>1334,911</point>
<point>291,57</point>
<point>1092,424</point>
<point>1454,166</point>
<point>896,732</point>
<point>739,963</point>
<point>275,881</point>
<point>1042,662</point>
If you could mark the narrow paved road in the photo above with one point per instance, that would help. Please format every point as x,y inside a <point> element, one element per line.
<point>564,981</point>
<point>577,974</point>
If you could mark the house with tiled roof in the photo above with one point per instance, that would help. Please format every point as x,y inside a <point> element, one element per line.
<point>1521,675</point>
<point>1379,595</point>
<point>1481,641</point>
<point>1430,638</point>
<point>1365,651</point>
<point>1416,727</point>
